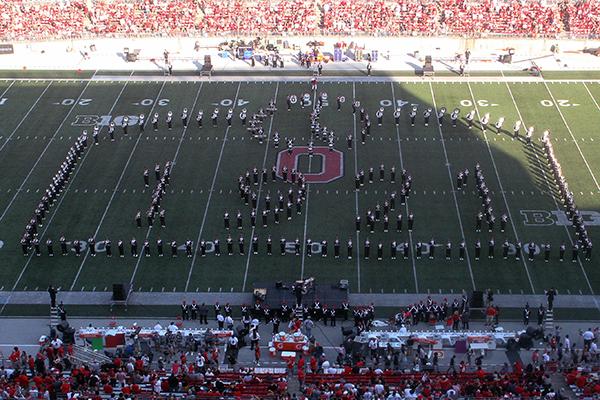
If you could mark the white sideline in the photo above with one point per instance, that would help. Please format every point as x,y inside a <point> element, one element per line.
<point>306,206</point>
<point>512,223</point>
<point>572,136</point>
<point>43,152</point>
<point>458,214</point>
<point>212,188</point>
<point>55,210</point>
<point>264,163</point>
<point>410,238</point>
<point>357,244</point>
<point>24,117</point>
<point>191,112</point>
<point>114,192</point>
<point>552,196</point>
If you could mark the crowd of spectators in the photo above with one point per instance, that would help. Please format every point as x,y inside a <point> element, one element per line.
<point>373,384</point>
<point>174,364</point>
<point>26,19</point>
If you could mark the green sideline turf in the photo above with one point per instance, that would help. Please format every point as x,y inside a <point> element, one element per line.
<point>37,131</point>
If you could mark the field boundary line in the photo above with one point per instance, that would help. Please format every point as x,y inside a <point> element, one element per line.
<point>552,196</point>
<point>573,137</point>
<point>114,192</point>
<point>591,95</point>
<point>8,87</point>
<point>310,138</point>
<point>410,237</point>
<point>43,152</point>
<point>302,78</point>
<point>183,133</point>
<point>212,188</point>
<point>512,223</point>
<point>451,178</point>
<point>24,117</point>
<point>55,209</point>
<point>357,245</point>
<point>264,163</point>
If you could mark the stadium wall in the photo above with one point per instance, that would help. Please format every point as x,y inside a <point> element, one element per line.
<point>68,54</point>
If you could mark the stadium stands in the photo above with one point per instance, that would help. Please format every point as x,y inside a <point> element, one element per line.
<point>533,383</point>
<point>24,19</point>
<point>52,373</point>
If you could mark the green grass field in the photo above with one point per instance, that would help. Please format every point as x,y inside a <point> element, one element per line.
<point>38,126</point>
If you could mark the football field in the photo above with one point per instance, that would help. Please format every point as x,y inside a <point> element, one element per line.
<point>40,120</point>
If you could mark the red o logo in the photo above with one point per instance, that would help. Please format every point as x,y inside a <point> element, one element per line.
<point>332,163</point>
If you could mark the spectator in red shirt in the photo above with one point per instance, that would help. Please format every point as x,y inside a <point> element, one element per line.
<point>490,315</point>
<point>15,357</point>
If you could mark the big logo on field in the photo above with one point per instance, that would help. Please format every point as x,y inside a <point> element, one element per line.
<point>332,166</point>
<point>558,217</point>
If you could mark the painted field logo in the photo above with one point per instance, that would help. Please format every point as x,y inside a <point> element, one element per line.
<point>332,165</point>
<point>545,217</point>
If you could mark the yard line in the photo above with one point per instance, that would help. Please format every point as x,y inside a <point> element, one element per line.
<point>357,245</point>
<point>114,192</point>
<point>181,139</point>
<point>410,238</point>
<point>24,118</point>
<point>306,206</point>
<point>55,209</point>
<point>259,189</point>
<point>512,223</point>
<point>552,196</point>
<point>451,178</point>
<point>7,89</point>
<point>572,136</point>
<point>212,187</point>
<point>590,93</point>
<point>43,152</point>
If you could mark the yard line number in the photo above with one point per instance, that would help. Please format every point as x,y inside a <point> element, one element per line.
<point>149,102</point>
<point>560,102</point>
<point>480,103</point>
<point>70,102</point>
<point>229,103</point>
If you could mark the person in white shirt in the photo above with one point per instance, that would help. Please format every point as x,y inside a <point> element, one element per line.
<point>594,350</point>
<point>157,387</point>
<point>588,336</point>
<point>233,342</point>
<point>220,320</point>
<point>409,393</point>
<point>57,343</point>
<point>373,346</point>
<point>229,322</point>
<point>567,343</point>
<point>158,327</point>
<point>546,357</point>
<point>200,360</point>
<point>172,328</point>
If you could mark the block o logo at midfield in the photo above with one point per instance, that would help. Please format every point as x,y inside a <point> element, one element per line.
<point>332,163</point>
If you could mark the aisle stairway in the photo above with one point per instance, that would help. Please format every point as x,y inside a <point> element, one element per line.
<point>549,321</point>
<point>299,313</point>
<point>54,318</point>
<point>85,355</point>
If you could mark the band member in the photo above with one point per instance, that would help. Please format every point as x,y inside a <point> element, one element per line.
<point>199,118</point>
<point>155,121</point>
<point>184,117</point>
